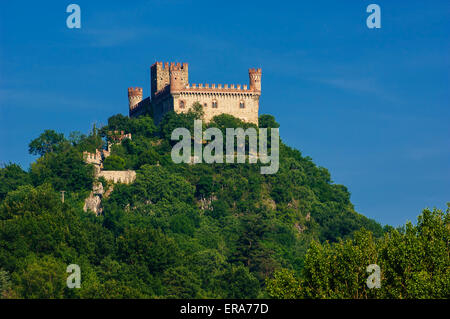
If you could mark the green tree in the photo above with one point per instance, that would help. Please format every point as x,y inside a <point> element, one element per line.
<point>267,121</point>
<point>47,142</point>
<point>240,283</point>
<point>41,278</point>
<point>114,163</point>
<point>284,285</point>
<point>11,177</point>
<point>5,284</point>
<point>414,263</point>
<point>64,170</point>
<point>147,247</point>
<point>180,282</point>
<point>142,126</point>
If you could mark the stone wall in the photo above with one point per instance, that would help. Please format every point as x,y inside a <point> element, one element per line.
<point>125,177</point>
<point>229,103</point>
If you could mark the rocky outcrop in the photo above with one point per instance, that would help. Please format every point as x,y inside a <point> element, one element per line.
<point>94,201</point>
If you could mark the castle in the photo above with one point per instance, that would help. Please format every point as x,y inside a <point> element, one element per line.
<point>171,91</point>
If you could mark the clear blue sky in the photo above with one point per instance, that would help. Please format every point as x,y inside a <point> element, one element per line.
<point>372,106</point>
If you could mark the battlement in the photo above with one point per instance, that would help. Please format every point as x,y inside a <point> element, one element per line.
<point>217,87</point>
<point>134,97</point>
<point>253,70</point>
<point>137,91</point>
<point>169,66</point>
<point>118,136</point>
<point>94,158</point>
<point>255,79</point>
<point>163,74</point>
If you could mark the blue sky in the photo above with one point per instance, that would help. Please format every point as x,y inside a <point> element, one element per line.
<point>372,106</point>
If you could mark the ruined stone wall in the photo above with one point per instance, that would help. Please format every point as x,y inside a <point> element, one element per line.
<point>125,177</point>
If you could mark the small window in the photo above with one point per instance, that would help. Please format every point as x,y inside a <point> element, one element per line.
<point>181,104</point>
<point>242,104</point>
<point>214,104</point>
<point>205,104</point>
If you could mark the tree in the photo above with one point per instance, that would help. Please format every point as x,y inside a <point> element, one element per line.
<point>5,284</point>
<point>29,200</point>
<point>205,186</point>
<point>47,142</point>
<point>414,263</point>
<point>148,247</point>
<point>240,283</point>
<point>86,143</point>
<point>156,183</point>
<point>142,126</point>
<point>284,285</point>
<point>117,122</point>
<point>180,282</point>
<point>11,177</point>
<point>114,163</point>
<point>267,121</point>
<point>64,170</point>
<point>41,278</point>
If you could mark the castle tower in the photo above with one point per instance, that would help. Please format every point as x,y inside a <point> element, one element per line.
<point>255,79</point>
<point>134,97</point>
<point>160,75</point>
<point>176,78</point>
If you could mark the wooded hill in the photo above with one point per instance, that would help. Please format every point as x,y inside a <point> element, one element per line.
<point>198,231</point>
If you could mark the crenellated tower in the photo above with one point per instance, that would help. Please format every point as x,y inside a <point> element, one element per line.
<point>160,75</point>
<point>177,80</point>
<point>255,79</point>
<point>134,97</point>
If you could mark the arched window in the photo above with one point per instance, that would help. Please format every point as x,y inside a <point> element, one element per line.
<point>182,104</point>
<point>205,104</point>
<point>241,104</point>
<point>214,104</point>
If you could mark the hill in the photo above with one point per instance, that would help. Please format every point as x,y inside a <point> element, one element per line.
<point>178,231</point>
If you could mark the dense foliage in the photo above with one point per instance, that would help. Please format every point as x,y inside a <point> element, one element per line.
<point>197,231</point>
<point>414,262</point>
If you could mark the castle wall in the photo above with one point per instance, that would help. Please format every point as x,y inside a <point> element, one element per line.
<point>140,108</point>
<point>162,105</point>
<point>229,103</point>
<point>125,177</point>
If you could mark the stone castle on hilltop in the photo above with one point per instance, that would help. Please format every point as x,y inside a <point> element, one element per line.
<point>171,91</point>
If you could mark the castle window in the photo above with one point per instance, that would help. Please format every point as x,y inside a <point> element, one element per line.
<point>205,104</point>
<point>181,104</point>
<point>242,104</point>
<point>214,104</point>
